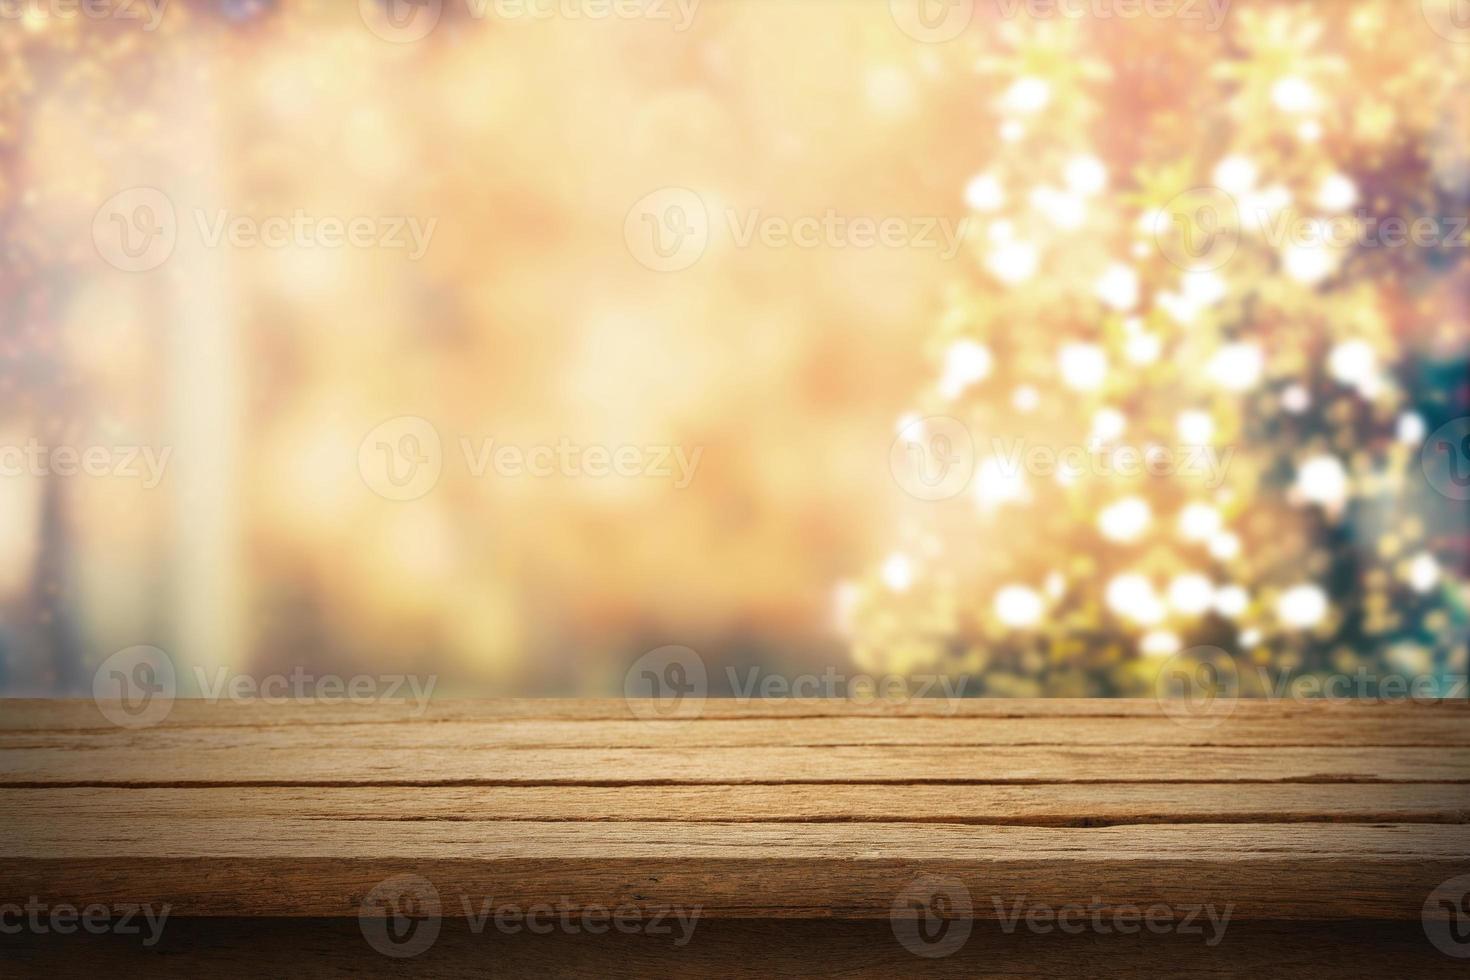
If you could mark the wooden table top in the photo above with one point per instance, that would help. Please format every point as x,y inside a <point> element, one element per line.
<point>766,809</point>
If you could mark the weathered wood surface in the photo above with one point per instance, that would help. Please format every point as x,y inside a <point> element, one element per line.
<point>330,949</point>
<point>1286,810</point>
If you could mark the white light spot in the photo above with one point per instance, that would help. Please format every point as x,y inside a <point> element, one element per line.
<point>1086,175</point>
<point>1236,366</point>
<point>1084,367</point>
<point>1159,643</point>
<point>1234,175</point>
<point>1232,601</point>
<point>1310,260</point>
<point>1125,520</point>
<point>1258,208</point>
<point>1423,573</point>
<point>1295,399</point>
<point>1199,522</point>
<point>1196,428</point>
<point>1132,596</point>
<point>1302,606</point>
<point>1295,95</point>
<point>1355,363</point>
<point>984,193</point>
<point>1337,193</point>
<point>998,483</point>
<point>1224,546</point>
<point>1026,399</point>
<point>1118,287</point>
<point>1143,348</point>
<point>1411,428</point>
<point>898,573</point>
<point>1012,262</point>
<point>1108,424</point>
<point>1323,480</point>
<point>966,363</point>
<point>1065,210</point>
<point>1026,95</point>
<point>1017,606</point>
<point>1192,594</point>
<point>1056,585</point>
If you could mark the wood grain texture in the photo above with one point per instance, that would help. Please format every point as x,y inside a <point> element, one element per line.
<point>295,759</point>
<point>1041,805</point>
<point>1284,810</point>
<point>227,949</point>
<point>324,867</point>
<point>22,715</point>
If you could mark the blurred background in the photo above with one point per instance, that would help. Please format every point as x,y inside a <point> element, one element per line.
<point>276,273</point>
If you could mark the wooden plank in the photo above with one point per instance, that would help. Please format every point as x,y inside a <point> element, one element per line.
<point>1046,805</point>
<point>297,759</point>
<point>325,867</point>
<point>1284,811</point>
<point>329,949</point>
<point>1421,729</point>
<point>46,715</point>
